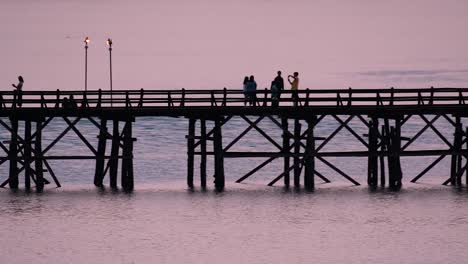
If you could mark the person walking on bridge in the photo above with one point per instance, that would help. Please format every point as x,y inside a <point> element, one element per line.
<point>294,81</point>
<point>19,90</point>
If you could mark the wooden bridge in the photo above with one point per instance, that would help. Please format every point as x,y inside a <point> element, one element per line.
<point>382,112</point>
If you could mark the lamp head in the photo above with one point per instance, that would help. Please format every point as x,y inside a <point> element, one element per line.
<point>86,41</point>
<point>109,42</point>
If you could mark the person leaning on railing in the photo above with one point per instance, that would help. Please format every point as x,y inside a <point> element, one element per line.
<point>19,90</point>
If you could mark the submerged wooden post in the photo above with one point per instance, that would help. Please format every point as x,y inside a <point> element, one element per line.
<point>297,149</point>
<point>38,159</point>
<point>27,155</point>
<point>101,152</point>
<point>456,147</point>
<point>309,157</point>
<point>13,155</point>
<point>114,159</point>
<point>218,156</point>
<point>127,180</point>
<point>394,166</point>
<point>190,151</point>
<point>372,159</point>
<point>285,127</point>
<point>466,152</point>
<point>203,152</point>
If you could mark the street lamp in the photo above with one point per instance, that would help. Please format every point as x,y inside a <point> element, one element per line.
<point>86,41</point>
<point>109,44</point>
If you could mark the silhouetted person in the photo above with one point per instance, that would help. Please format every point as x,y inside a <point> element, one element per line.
<point>19,90</point>
<point>252,90</point>
<point>294,81</point>
<point>274,94</point>
<point>65,103</point>
<point>72,103</point>
<point>276,87</point>
<point>244,88</point>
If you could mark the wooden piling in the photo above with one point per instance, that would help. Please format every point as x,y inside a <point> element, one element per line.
<point>190,151</point>
<point>101,152</point>
<point>297,149</point>
<point>309,162</point>
<point>27,155</point>
<point>13,155</point>
<point>218,156</point>
<point>285,127</point>
<point>458,147</point>
<point>38,159</point>
<point>372,160</point>
<point>203,152</point>
<point>454,166</point>
<point>114,162</point>
<point>127,179</point>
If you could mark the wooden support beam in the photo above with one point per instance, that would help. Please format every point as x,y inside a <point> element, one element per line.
<point>203,152</point>
<point>38,157</point>
<point>351,130</point>
<point>101,152</point>
<point>234,141</point>
<point>420,132</point>
<point>309,182</point>
<point>265,135</point>
<point>190,151</point>
<point>27,155</point>
<point>13,154</point>
<point>250,173</point>
<point>297,149</point>
<point>80,135</point>
<point>57,139</point>
<point>219,156</point>
<point>454,166</point>
<point>333,167</point>
<point>334,133</point>
<point>127,179</point>
<point>114,162</point>
<point>372,159</point>
<point>285,150</point>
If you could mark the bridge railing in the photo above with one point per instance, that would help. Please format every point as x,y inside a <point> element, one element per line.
<point>227,98</point>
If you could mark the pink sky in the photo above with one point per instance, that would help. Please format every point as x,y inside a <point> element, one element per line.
<point>212,44</point>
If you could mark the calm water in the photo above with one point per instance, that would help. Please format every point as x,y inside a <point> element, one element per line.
<point>170,44</point>
<point>163,222</point>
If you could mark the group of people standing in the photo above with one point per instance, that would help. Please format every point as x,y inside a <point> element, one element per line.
<point>277,86</point>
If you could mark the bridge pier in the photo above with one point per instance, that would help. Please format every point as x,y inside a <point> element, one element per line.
<point>190,152</point>
<point>218,155</point>
<point>372,159</point>
<point>27,155</point>
<point>101,152</point>
<point>286,150</point>
<point>13,155</point>
<point>297,150</point>
<point>38,158</point>
<point>203,140</point>
<point>127,181</point>
<point>309,156</point>
<point>114,159</point>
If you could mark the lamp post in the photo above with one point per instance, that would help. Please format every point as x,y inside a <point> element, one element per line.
<point>109,44</point>
<point>86,41</point>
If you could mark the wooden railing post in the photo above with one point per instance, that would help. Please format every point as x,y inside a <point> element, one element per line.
<point>98,105</point>
<point>265,97</point>
<point>182,98</point>
<point>224,96</point>
<point>57,99</point>
<point>140,103</point>
<point>307,97</point>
